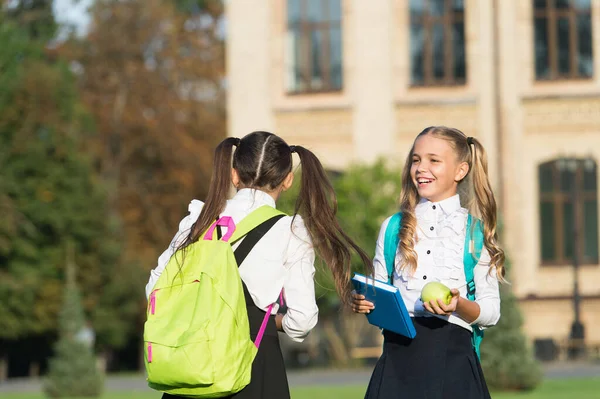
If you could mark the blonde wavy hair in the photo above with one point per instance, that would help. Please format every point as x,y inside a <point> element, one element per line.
<point>475,191</point>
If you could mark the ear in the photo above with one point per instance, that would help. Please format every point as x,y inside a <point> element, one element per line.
<point>288,181</point>
<point>235,177</point>
<point>461,171</point>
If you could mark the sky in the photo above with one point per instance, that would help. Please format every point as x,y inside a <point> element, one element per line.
<point>74,13</point>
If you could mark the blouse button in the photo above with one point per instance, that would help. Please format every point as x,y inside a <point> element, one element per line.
<point>424,277</point>
<point>434,207</point>
<point>428,252</point>
<point>431,228</point>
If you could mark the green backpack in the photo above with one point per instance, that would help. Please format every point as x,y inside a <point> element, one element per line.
<point>470,259</point>
<point>197,334</point>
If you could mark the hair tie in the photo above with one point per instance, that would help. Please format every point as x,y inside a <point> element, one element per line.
<point>292,149</point>
<point>470,140</point>
<point>237,142</point>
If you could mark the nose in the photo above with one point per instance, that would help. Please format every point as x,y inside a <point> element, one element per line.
<point>422,166</point>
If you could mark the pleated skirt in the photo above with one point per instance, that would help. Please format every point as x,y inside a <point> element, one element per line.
<point>439,363</point>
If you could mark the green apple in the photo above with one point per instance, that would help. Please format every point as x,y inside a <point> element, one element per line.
<point>435,290</point>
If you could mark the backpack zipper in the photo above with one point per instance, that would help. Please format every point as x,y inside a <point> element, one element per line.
<point>152,303</point>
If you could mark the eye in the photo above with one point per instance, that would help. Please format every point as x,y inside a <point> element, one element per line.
<point>415,160</point>
<point>435,160</point>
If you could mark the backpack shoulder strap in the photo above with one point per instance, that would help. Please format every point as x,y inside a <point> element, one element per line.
<point>390,243</point>
<point>253,237</point>
<point>472,253</point>
<point>254,227</point>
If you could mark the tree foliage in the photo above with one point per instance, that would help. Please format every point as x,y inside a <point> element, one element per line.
<point>158,100</point>
<point>73,371</point>
<point>506,356</point>
<point>366,196</point>
<point>47,191</point>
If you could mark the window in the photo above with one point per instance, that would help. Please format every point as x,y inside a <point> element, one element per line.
<point>314,45</point>
<point>563,39</point>
<point>568,195</point>
<point>437,42</point>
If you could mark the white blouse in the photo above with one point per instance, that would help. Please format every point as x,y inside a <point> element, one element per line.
<point>283,258</point>
<point>441,233</point>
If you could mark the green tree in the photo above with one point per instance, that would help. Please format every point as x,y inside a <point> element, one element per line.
<point>506,356</point>
<point>49,195</point>
<point>361,210</point>
<point>73,371</point>
<point>35,17</point>
<point>158,102</point>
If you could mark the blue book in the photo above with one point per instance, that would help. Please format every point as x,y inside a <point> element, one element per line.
<point>390,312</point>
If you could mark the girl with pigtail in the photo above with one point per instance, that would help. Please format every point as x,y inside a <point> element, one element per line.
<point>445,179</point>
<point>282,261</point>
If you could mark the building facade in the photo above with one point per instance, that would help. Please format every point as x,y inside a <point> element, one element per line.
<point>355,80</point>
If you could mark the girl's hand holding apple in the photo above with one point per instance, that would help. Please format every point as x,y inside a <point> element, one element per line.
<point>439,306</point>
<point>439,299</point>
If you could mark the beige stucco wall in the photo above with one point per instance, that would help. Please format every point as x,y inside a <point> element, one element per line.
<point>378,113</point>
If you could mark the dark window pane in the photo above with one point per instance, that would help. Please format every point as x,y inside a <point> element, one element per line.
<point>564,60</point>
<point>547,231</point>
<point>316,44</point>
<point>568,229</point>
<point>590,231</point>
<point>539,4</point>
<point>561,4</point>
<point>315,10</point>
<point>417,46</point>
<point>436,7</point>
<point>546,180</point>
<point>458,5</point>
<point>581,5</point>
<point>335,54</point>
<point>335,10</point>
<point>293,11</point>
<point>438,51</point>
<point>542,63</point>
<point>417,8</point>
<point>585,62</point>
<point>590,177</point>
<point>567,179</point>
<point>458,40</point>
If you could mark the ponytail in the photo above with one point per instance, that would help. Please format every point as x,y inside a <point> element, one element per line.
<point>486,204</point>
<point>220,182</point>
<point>317,204</point>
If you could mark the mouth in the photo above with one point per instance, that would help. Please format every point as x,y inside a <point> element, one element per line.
<point>424,181</point>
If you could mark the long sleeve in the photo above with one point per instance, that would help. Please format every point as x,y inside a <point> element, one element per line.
<point>299,288</point>
<point>185,225</point>
<point>487,293</point>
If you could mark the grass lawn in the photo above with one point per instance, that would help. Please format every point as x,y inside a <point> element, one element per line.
<point>554,389</point>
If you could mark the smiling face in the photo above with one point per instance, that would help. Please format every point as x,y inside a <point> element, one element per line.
<point>435,170</point>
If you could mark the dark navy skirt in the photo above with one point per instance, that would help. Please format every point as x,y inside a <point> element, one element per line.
<point>439,363</point>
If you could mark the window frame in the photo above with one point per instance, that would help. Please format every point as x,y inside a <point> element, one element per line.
<point>558,197</point>
<point>428,21</point>
<point>306,28</point>
<point>552,14</point>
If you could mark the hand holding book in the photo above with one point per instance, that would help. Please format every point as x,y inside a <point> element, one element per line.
<point>382,304</point>
<point>360,304</point>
